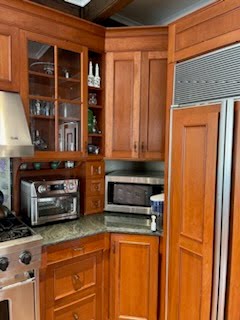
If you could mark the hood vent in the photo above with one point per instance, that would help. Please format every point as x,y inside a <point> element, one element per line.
<point>15,139</point>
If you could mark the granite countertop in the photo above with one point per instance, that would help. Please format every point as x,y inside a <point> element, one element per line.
<point>94,224</point>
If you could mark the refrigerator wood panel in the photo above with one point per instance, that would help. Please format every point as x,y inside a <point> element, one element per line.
<point>192,211</point>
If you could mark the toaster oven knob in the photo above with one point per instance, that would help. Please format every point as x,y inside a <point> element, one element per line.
<point>25,257</point>
<point>42,189</point>
<point>71,186</point>
<point>4,263</point>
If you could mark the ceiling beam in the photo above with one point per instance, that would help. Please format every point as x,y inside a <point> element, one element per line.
<point>99,10</point>
<point>61,6</point>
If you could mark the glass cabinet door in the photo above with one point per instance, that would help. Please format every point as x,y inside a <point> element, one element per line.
<point>41,74</point>
<point>69,100</point>
<point>55,95</point>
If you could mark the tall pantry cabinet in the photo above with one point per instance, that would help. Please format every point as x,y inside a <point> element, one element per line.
<point>136,93</point>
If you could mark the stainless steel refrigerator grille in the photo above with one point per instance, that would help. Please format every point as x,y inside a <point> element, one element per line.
<point>208,77</point>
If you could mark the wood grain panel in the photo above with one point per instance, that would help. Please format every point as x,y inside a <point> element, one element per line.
<point>83,309</point>
<point>233,284</point>
<point>153,105</point>
<point>122,104</point>
<point>195,139</point>
<point>190,287</point>
<point>192,202</point>
<point>134,265</point>
<point>76,277</point>
<point>152,38</point>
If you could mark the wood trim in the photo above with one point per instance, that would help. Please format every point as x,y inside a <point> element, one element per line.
<point>46,21</point>
<point>136,39</point>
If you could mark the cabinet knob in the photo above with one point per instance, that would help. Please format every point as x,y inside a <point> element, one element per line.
<point>75,316</point>
<point>96,187</point>
<point>76,282</point>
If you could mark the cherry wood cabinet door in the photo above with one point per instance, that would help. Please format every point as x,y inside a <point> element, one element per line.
<point>133,277</point>
<point>122,104</point>
<point>233,287</point>
<point>192,212</point>
<point>9,58</point>
<point>153,105</point>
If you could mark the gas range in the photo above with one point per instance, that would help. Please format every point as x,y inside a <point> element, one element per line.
<point>20,247</point>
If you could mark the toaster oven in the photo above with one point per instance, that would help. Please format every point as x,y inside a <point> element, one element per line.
<point>131,191</point>
<point>47,201</point>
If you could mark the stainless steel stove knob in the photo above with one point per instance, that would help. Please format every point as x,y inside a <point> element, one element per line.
<point>25,257</point>
<point>4,263</point>
<point>42,188</point>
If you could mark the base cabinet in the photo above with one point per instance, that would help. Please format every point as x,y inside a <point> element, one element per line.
<point>74,280</point>
<point>133,277</point>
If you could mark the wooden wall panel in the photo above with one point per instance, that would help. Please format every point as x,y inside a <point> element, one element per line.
<point>210,28</point>
<point>136,39</point>
<point>46,21</point>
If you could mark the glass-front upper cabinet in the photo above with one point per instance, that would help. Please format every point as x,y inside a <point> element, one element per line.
<point>54,95</point>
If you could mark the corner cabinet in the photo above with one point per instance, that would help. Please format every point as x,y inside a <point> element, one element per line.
<point>133,277</point>
<point>54,91</point>
<point>135,104</point>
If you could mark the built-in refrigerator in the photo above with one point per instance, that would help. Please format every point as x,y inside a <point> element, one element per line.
<point>203,218</point>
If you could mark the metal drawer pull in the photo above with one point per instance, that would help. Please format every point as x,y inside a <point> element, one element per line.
<point>75,316</point>
<point>78,249</point>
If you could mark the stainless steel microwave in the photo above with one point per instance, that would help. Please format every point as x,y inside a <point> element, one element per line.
<point>131,191</point>
<point>47,201</point>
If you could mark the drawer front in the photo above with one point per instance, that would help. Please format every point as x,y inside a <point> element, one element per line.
<point>94,169</point>
<point>75,277</point>
<point>84,309</point>
<point>95,187</point>
<point>94,204</point>
<point>75,248</point>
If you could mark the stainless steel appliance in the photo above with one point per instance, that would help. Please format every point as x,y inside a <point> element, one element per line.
<point>46,201</point>
<point>127,191</point>
<point>69,136</point>
<point>15,139</point>
<point>203,229</point>
<point>20,258</point>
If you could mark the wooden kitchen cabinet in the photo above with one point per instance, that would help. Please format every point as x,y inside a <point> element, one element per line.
<point>133,277</point>
<point>135,104</point>
<point>74,280</point>
<point>92,186</point>
<point>54,92</point>
<point>9,58</point>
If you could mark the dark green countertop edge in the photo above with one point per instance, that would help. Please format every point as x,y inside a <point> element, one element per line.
<point>86,226</point>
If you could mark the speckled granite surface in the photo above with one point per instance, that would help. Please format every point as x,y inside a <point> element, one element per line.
<point>91,225</point>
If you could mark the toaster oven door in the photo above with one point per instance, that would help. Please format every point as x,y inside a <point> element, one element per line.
<point>56,208</point>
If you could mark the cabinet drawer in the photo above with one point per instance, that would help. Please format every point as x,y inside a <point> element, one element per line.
<point>82,309</point>
<point>95,187</point>
<point>94,169</point>
<point>94,204</point>
<point>71,249</point>
<point>75,277</point>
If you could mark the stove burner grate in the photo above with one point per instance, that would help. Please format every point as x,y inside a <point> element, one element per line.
<point>11,228</point>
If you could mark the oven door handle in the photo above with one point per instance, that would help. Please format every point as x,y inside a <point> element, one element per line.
<point>16,284</point>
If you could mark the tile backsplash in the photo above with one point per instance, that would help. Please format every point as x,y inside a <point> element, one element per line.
<point>5,180</point>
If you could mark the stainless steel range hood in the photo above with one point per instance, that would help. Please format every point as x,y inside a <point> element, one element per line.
<point>15,139</point>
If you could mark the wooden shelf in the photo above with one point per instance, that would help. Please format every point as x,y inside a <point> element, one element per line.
<point>95,88</point>
<point>42,117</point>
<point>40,74</point>
<point>95,106</point>
<point>63,79</point>
<point>43,98</point>
<point>78,102</point>
<point>68,119</point>
<point>99,135</point>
